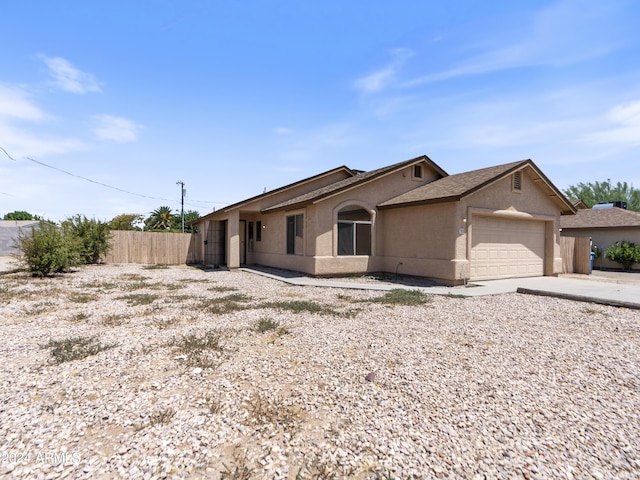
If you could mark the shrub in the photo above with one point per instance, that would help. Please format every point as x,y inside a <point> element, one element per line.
<point>48,249</point>
<point>93,235</point>
<point>625,253</point>
<point>200,351</point>
<point>74,348</point>
<point>266,325</point>
<point>399,296</point>
<point>300,306</point>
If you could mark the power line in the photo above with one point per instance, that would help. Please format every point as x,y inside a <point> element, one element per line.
<point>104,184</point>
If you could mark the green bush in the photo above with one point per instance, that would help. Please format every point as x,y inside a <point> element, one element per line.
<point>93,236</point>
<point>625,253</point>
<point>48,249</point>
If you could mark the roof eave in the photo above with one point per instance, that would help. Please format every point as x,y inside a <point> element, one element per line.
<point>417,203</point>
<point>234,206</point>
<point>408,163</point>
<point>569,209</point>
<point>600,227</point>
<point>346,188</point>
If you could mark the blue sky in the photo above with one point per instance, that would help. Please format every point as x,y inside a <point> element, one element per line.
<point>235,97</point>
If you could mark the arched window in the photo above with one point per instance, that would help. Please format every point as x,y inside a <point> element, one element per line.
<point>354,231</point>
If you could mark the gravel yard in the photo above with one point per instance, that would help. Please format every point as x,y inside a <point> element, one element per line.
<point>134,372</point>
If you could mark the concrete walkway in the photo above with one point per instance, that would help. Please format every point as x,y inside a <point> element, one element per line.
<point>621,290</point>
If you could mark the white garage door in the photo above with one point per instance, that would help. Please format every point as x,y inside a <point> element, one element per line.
<point>506,248</point>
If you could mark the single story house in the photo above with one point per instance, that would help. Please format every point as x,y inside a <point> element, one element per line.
<point>9,232</point>
<point>605,226</point>
<point>410,218</point>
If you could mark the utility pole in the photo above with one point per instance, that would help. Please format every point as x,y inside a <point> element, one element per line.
<point>182,202</point>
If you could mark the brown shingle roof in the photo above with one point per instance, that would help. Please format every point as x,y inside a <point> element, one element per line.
<point>277,190</point>
<point>456,187</point>
<point>453,187</point>
<point>601,218</point>
<point>349,183</point>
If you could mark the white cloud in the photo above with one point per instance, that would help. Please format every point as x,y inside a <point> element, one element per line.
<point>16,106</point>
<point>23,143</point>
<point>70,79</point>
<point>117,129</point>
<point>283,131</point>
<point>561,34</point>
<point>627,114</point>
<point>625,131</point>
<point>14,102</point>
<point>376,81</point>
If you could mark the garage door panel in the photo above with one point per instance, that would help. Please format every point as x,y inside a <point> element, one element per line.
<point>505,248</point>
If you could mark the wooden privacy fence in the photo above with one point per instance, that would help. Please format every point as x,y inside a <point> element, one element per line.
<point>576,254</point>
<point>155,248</point>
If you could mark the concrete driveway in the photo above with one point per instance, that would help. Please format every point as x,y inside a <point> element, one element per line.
<point>611,288</point>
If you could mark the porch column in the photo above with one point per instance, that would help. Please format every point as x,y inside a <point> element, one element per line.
<point>233,240</point>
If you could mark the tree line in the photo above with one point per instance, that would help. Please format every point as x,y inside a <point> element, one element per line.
<point>162,219</point>
<point>605,192</point>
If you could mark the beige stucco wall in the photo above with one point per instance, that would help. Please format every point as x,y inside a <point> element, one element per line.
<point>435,240</point>
<point>420,240</point>
<point>603,238</point>
<point>530,203</point>
<point>427,240</point>
<point>320,233</point>
<point>251,212</point>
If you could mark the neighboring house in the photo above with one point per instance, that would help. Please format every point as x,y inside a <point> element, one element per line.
<point>605,226</point>
<point>9,231</point>
<point>411,218</point>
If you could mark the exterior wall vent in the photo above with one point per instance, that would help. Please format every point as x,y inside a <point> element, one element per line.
<point>517,181</point>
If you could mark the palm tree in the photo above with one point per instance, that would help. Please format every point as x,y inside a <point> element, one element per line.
<point>160,219</point>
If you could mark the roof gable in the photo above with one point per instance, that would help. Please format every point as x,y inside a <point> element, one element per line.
<point>456,187</point>
<point>349,183</point>
<point>579,204</point>
<point>310,180</point>
<point>613,217</point>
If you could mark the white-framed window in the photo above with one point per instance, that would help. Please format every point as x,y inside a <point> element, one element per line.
<point>417,172</point>
<point>354,231</point>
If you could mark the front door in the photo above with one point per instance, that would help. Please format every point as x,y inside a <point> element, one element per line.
<point>243,242</point>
